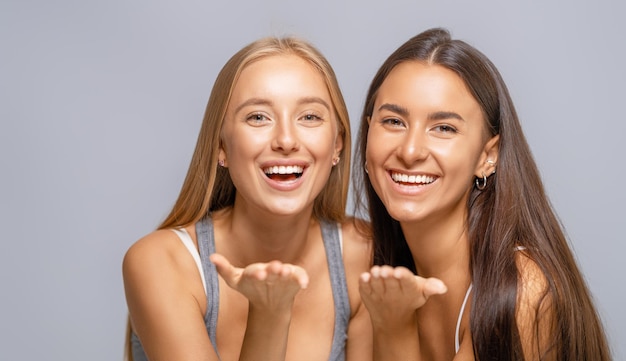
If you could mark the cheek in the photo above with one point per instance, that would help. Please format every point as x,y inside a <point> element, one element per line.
<point>376,152</point>
<point>374,146</point>
<point>320,143</point>
<point>458,159</point>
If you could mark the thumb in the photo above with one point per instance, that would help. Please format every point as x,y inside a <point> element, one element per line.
<point>434,286</point>
<point>224,268</point>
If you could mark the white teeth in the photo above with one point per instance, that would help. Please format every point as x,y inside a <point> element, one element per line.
<point>283,169</point>
<point>414,179</point>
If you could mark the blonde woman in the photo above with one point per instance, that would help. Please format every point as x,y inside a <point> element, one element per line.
<point>262,206</point>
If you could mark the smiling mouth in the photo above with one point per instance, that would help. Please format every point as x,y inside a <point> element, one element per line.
<point>283,173</point>
<point>412,179</point>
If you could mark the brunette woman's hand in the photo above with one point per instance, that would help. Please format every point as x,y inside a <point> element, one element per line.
<point>392,295</point>
<point>270,286</point>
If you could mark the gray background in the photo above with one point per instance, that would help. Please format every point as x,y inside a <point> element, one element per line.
<point>101,102</point>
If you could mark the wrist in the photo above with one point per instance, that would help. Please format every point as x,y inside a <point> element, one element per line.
<point>396,342</point>
<point>274,314</point>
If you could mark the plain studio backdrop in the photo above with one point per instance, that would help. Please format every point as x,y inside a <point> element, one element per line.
<point>101,103</point>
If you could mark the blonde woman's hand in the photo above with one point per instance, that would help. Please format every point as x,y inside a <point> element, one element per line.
<point>270,286</point>
<point>392,295</point>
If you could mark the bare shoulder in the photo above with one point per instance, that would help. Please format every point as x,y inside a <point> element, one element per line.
<point>156,248</point>
<point>533,284</point>
<point>534,312</point>
<point>356,231</point>
<point>357,242</point>
<point>156,261</point>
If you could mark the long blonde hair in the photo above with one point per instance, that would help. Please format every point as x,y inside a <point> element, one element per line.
<point>208,187</point>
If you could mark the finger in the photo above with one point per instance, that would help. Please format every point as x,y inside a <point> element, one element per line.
<point>375,271</point>
<point>365,288</point>
<point>286,271</point>
<point>391,283</point>
<point>219,261</point>
<point>434,286</point>
<point>257,271</point>
<point>301,276</point>
<point>289,272</point>
<point>225,269</point>
<point>273,271</point>
<point>386,271</point>
<point>402,273</point>
<point>429,286</point>
<point>377,282</point>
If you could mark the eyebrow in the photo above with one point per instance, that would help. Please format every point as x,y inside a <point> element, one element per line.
<point>253,101</point>
<point>444,115</point>
<point>309,100</point>
<point>395,108</point>
<point>267,102</point>
<point>402,111</point>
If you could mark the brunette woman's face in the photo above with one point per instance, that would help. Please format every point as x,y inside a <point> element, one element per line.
<point>426,143</point>
<point>280,135</point>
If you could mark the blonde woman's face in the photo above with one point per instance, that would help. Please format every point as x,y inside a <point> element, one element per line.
<point>279,135</point>
<point>426,143</point>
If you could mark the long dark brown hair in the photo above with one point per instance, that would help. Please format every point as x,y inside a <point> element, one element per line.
<point>513,210</point>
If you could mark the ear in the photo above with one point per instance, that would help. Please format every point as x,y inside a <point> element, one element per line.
<point>488,160</point>
<point>338,145</point>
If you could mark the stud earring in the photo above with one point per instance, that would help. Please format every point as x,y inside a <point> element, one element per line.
<point>221,162</point>
<point>491,163</point>
<point>336,161</point>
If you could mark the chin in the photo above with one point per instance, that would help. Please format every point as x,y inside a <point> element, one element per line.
<point>286,209</point>
<point>406,215</point>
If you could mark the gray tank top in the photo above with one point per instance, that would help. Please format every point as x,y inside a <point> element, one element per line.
<point>332,245</point>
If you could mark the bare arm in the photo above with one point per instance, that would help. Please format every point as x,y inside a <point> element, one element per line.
<point>392,295</point>
<point>357,255</point>
<point>359,343</point>
<point>270,289</point>
<point>163,288</point>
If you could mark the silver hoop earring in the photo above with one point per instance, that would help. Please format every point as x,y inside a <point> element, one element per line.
<point>481,185</point>
<point>365,167</point>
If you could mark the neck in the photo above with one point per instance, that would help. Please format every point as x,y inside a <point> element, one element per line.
<point>250,237</point>
<point>440,248</point>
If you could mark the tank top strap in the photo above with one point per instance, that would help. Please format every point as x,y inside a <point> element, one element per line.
<point>206,247</point>
<point>458,321</point>
<point>334,255</point>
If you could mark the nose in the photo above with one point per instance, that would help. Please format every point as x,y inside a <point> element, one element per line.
<point>285,137</point>
<point>413,147</point>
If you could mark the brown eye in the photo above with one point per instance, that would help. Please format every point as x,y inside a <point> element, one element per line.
<point>394,122</point>
<point>257,118</point>
<point>311,118</point>
<point>445,129</point>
